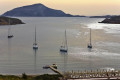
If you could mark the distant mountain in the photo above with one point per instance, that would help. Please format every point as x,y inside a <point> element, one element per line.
<point>37,10</point>
<point>112,20</point>
<point>105,16</point>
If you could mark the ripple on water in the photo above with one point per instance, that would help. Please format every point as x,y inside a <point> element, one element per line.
<point>81,53</point>
<point>109,28</point>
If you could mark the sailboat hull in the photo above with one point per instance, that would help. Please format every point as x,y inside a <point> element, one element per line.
<point>90,46</point>
<point>10,36</point>
<point>63,50</point>
<point>35,47</point>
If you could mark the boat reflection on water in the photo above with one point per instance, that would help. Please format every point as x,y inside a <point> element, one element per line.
<point>64,59</point>
<point>35,58</point>
<point>9,49</point>
<point>89,49</point>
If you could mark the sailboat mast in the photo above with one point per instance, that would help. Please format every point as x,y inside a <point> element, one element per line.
<point>35,44</point>
<point>35,35</point>
<point>90,36</point>
<point>66,40</point>
<point>9,27</point>
<point>9,21</point>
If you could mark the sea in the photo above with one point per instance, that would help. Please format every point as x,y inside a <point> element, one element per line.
<point>17,55</point>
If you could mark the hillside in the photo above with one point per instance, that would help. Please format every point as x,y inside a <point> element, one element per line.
<point>37,10</point>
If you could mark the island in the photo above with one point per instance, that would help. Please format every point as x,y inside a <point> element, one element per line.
<point>9,21</point>
<point>37,10</point>
<point>104,16</point>
<point>112,20</point>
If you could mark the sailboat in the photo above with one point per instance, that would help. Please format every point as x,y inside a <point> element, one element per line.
<point>35,46</point>
<point>9,35</point>
<point>64,47</point>
<point>90,44</point>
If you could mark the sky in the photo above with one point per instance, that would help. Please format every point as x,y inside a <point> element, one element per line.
<point>75,7</point>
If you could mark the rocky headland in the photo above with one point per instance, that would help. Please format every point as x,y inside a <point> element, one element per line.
<point>9,21</point>
<point>112,20</point>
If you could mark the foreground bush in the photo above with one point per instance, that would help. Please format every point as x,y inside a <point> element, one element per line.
<point>27,77</point>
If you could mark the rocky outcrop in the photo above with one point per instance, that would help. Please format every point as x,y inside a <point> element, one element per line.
<point>112,20</point>
<point>9,21</point>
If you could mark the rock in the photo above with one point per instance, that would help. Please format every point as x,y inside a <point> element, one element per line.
<point>9,21</point>
<point>112,20</point>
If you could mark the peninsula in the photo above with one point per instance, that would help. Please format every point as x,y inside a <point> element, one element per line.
<point>112,20</point>
<point>9,21</point>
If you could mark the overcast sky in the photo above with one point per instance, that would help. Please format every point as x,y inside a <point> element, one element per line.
<point>76,7</point>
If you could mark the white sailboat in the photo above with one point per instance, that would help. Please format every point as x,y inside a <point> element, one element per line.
<point>90,44</point>
<point>35,46</point>
<point>9,29</point>
<point>64,47</point>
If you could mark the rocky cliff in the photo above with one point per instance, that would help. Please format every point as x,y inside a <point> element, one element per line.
<point>9,21</point>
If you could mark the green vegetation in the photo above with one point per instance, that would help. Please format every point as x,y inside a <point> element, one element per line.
<point>47,77</point>
<point>24,76</point>
<point>9,77</point>
<point>27,77</point>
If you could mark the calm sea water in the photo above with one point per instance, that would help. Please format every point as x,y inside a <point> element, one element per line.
<point>17,55</point>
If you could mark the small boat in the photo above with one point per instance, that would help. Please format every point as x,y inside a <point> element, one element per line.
<point>64,47</point>
<point>54,66</point>
<point>10,36</point>
<point>90,45</point>
<point>35,46</point>
<point>47,66</point>
<point>9,29</point>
